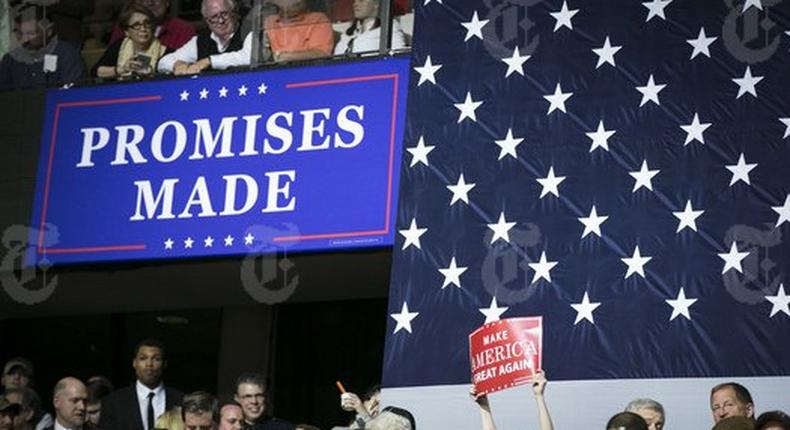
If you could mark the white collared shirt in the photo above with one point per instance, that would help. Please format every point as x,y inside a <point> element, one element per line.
<point>142,398</point>
<point>225,59</point>
<point>60,427</point>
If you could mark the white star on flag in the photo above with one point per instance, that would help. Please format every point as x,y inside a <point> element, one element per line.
<point>208,242</point>
<point>412,235</point>
<point>184,95</point>
<point>701,44</point>
<point>501,229</point>
<point>262,88</point>
<point>681,305</point>
<point>403,319</point>
<point>203,94</point>
<point>786,122</point>
<point>542,268</point>
<point>643,177</point>
<point>228,240</point>
<point>749,3</point>
<point>507,146</point>
<point>636,263</point>
<point>783,211</point>
<point>427,71</point>
<point>557,100</point>
<point>243,90</point>
<point>650,92</point>
<point>656,8</point>
<point>419,153</point>
<point>169,243</point>
<point>452,274</point>
<point>780,302</point>
<point>740,171</point>
<point>687,217</point>
<point>563,16</point>
<point>550,183</point>
<point>248,239</point>
<point>747,83</point>
<point>188,242</point>
<point>694,130</point>
<point>592,223</point>
<point>460,190</point>
<point>223,92</point>
<point>493,312</point>
<point>474,28</point>
<point>584,310</point>
<point>515,64</point>
<point>606,53</point>
<point>428,1</point>
<point>733,259</point>
<point>467,108</point>
<point>600,137</point>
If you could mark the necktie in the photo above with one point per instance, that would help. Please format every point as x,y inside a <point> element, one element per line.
<point>150,414</point>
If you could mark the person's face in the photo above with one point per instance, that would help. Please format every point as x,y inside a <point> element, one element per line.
<point>31,35</point>
<point>93,414</point>
<point>372,404</point>
<point>654,419</point>
<point>140,29</point>
<point>25,414</point>
<point>231,418</point>
<point>220,18</point>
<point>366,9</point>
<point>773,425</point>
<point>70,405</point>
<point>725,404</point>
<point>198,421</point>
<point>291,9</point>
<point>251,399</point>
<point>6,420</point>
<point>149,364</point>
<point>15,378</point>
<point>158,7</point>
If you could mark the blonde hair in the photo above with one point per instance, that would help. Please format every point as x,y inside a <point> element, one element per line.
<point>170,420</point>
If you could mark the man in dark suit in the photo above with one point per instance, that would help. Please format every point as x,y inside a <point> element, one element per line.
<point>138,406</point>
<point>68,398</point>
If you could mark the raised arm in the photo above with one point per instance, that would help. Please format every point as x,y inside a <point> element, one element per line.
<point>539,387</point>
<point>485,409</point>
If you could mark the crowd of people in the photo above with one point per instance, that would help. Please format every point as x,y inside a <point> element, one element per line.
<point>147,40</point>
<point>149,404</point>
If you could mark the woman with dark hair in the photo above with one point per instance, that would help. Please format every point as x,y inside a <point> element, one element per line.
<point>365,31</point>
<point>138,52</point>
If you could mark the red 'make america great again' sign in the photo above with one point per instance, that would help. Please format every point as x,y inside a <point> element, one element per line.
<point>505,353</point>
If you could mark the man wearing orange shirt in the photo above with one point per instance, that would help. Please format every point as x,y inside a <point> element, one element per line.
<point>295,33</point>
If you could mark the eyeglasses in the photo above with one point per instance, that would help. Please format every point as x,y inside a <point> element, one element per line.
<point>219,18</point>
<point>142,25</point>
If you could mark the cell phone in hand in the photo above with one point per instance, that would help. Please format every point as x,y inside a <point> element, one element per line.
<point>144,60</point>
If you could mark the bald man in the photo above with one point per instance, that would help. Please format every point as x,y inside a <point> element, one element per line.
<point>69,397</point>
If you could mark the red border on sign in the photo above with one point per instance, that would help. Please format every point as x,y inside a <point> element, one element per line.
<point>40,248</point>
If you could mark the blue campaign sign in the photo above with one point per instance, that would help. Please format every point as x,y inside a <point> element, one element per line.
<point>303,159</point>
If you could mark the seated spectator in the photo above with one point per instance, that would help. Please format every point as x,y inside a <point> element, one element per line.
<point>626,421</point>
<point>734,423</point>
<point>343,10</point>
<point>295,33</point>
<point>98,387</point>
<point>773,420</point>
<point>218,47</point>
<point>199,411</point>
<point>173,32</point>
<point>41,58</point>
<point>137,54</point>
<point>365,31</point>
<point>18,372</point>
<point>538,388</point>
<point>731,400</point>
<point>650,410</point>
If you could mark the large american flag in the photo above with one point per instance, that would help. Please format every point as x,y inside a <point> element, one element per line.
<point>620,167</point>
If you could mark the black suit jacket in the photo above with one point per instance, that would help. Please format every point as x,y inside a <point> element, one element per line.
<point>120,410</point>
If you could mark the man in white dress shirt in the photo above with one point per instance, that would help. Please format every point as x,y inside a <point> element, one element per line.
<point>68,398</point>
